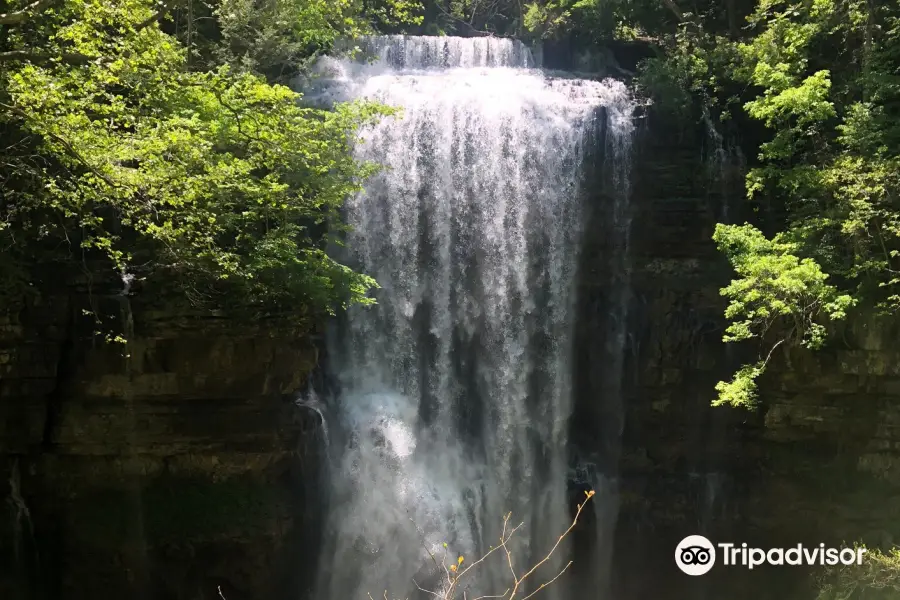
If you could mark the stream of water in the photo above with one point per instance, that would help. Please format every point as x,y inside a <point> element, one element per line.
<point>453,393</point>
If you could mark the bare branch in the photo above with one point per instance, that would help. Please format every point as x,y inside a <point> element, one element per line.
<point>20,16</point>
<point>769,356</point>
<point>546,583</point>
<point>555,546</point>
<point>454,578</point>
<point>421,589</point>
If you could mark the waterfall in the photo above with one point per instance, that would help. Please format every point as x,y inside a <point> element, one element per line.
<point>606,482</point>
<point>721,161</point>
<point>453,393</point>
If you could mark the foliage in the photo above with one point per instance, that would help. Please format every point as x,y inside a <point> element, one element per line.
<point>741,391</point>
<point>161,141</point>
<point>279,36</point>
<point>685,73</point>
<point>539,19</point>
<point>206,175</point>
<point>776,291</point>
<point>776,285</point>
<point>556,17</point>
<point>877,578</point>
<point>603,20</point>
<point>820,77</point>
<point>478,17</point>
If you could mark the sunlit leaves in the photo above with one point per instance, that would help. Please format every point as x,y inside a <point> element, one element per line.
<point>280,34</point>
<point>741,391</point>
<point>774,285</point>
<point>823,78</point>
<point>213,176</point>
<point>777,295</point>
<point>877,576</point>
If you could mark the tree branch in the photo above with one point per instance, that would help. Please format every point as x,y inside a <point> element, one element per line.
<point>769,356</point>
<point>166,6</point>
<point>462,21</point>
<point>70,149</point>
<point>674,8</point>
<point>525,576</point>
<point>44,57</point>
<point>20,16</point>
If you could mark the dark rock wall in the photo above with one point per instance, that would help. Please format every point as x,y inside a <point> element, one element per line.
<point>178,463</point>
<point>818,462</point>
<point>162,468</point>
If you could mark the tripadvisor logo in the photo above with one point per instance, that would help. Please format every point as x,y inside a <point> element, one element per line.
<point>696,555</point>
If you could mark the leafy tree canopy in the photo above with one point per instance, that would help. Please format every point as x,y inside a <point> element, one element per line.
<point>161,137</point>
<point>149,138</point>
<point>823,78</point>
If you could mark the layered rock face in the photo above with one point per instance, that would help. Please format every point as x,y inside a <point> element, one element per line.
<point>166,467</point>
<point>187,467</point>
<point>817,463</point>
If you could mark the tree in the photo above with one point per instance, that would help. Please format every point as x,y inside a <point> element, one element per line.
<point>119,149</point>
<point>821,77</point>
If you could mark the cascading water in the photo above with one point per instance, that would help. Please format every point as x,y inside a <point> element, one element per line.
<point>606,484</point>
<point>453,392</point>
<point>726,166</point>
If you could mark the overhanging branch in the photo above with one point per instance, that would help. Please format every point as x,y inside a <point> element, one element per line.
<point>44,57</point>
<point>20,16</point>
<point>166,6</point>
<point>70,149</point>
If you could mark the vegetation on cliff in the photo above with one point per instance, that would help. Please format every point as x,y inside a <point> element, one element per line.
<point>158,141</point>
<point>877,578</point>
<point>819,79</point>
<point>161,140</point>
<point>822,77</point>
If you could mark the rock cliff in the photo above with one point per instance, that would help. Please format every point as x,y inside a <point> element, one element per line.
<point>164,467</point>
<point>817,462</point>
<point>178,462</point>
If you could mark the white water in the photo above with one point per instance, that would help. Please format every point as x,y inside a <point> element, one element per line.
<point>455,389</point>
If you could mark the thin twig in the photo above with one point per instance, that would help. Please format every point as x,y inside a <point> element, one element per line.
<point>546,583</point>
<point>555,546</point>
<point>503,595</point>
<point>421,589</point>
